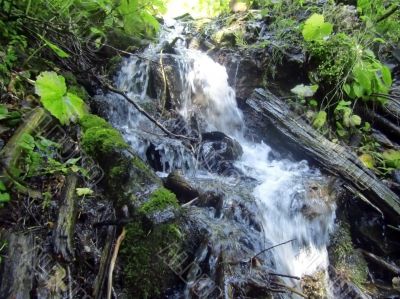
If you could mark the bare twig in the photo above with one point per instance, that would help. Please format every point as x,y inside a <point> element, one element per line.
<point>113,260</point>
<point>269,248</point>
<point>292,290</point>
<point>148,116</point>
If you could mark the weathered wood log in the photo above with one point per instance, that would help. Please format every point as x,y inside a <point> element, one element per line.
<point>334,158</point>
<point>63,234</point>
<point>343,288</point>
<point>34,122</point>
<point>181,187</point>
<point>17,277</point>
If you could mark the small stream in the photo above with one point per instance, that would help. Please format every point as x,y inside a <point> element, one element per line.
<point>281,187</point>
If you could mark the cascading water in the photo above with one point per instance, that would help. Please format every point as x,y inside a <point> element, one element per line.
<point>280,190</point>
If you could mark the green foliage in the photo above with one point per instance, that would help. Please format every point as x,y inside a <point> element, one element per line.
<point>4,195</point>
<point>214,8</point>
<point>381,17</point>
<point>320,120</point>
<point>63,105</point>
<point>333,59</point>
<point>159,200</point>
<point>345,118</point>
<point>316,29</point>
<point>391,159</point>
<point>368,78</point>
<point>39,157</point>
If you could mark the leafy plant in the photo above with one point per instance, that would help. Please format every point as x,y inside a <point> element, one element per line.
<point>39,157</point>
<point>63,105</point>
<point>316,29</point>
<point>4,195</point>
<point>345,118</point>
<point>391,158</point>
<point>320,119</point>
<point>369,77</point>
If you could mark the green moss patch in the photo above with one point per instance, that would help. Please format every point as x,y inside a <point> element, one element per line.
<point>160,200</point>
<point>91,121</point>
<point>347,261</point>
<point>146,275</point>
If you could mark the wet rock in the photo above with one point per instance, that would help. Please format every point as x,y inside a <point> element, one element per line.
<point>166,83</point>
<point>317,198</point>
<point>211,199</point>
<point>381,138</point>
<point>181,187</point>
<point>220,144</point>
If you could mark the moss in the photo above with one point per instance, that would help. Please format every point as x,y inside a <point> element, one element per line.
<point>139,164</point>
<point>102,141</point>
<point>348,261</point>
<point>146,273</point>
<point>90,121</point>
<point>159,200</point>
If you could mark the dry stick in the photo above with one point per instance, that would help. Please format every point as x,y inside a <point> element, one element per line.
<point>113,260</point>
<point>141,110</point>
<point>284,275</point>
<point>269,248</point>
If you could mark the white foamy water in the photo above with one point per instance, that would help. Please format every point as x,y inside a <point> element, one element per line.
<point>280,189</point>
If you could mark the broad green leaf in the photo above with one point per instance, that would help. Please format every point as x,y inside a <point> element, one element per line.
<point>84,191</point>
<point>320,119</point>
<point>304,90</point>
<point>50,87</point>
<point>53,94</point>
<point>313,103</point>
<point>316,29</point>
<point>367,160</point>
<point>3,112</point>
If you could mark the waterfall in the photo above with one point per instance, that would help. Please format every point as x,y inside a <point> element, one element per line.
<point>280,191</point>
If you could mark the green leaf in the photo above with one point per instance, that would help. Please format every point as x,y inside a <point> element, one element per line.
<point>84,191</point>
<point>2,186</point>
<point>362,77</point>
<point>316,29</point>
<point>320,119</point>
<point>49,86</point>
<point>347,89</point>
<point>386,76</point>
<point>355,120</point>
<point>304,91</point>
<point>313,103</point>
<point>53,94</point>
<point>4,197</point>
<point>392,158</point>
<point>60,53</point>
<point>367,160</point>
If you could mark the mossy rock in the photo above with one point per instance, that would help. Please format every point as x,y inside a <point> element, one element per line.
<point>160,200</point>
<point>146,273</point>
<point>348,262</point>
<point>125,174</point>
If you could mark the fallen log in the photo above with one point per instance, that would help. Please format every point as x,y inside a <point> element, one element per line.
<point>17,276</point>
<point>335,159</point>
<point>63,235</point>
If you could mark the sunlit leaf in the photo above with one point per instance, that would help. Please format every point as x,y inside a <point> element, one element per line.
<point>320,120</point>
<point>304,90</point>
<point>316,29</point>
<point>367,160</point>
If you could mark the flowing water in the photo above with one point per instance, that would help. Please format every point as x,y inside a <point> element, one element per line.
<point>205,93</point>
